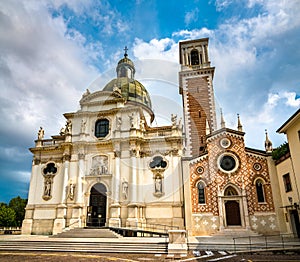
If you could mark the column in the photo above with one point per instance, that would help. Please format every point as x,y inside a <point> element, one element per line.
<point>117,178</point>
<point>115,207</point>
<point>206,53</point>
<point>80,175</point>
<point>66,178</point>
<point>133,179</point>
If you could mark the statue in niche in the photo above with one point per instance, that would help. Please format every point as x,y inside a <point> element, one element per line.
<point>125,188</point>
<point>83,126</point>
<point>119,122</point>
<point>158,185</point>
<point>41,134</point>
<point>47,188</point>
<point>131,118</point>
<point>71,191</point>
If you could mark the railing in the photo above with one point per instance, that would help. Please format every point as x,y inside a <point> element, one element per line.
<point>268,242</point>
<point>10,230</point>
<point>152,227</point>
<point>73,223</point>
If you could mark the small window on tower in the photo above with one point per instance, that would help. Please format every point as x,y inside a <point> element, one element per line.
<point>195,57</point>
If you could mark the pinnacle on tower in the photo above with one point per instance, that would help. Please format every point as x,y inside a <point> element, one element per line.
<point>268,143</point>
<point>222,119</point>
<point>239,127</point>
<point>207,128</point>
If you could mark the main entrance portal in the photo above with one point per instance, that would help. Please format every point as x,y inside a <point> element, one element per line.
<point>97,208</point>
<point>233,215</point>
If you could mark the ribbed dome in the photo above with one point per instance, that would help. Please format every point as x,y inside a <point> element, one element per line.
<point>131,89</point>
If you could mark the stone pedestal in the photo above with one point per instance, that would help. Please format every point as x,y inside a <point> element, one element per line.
<point>59,225</point>
<point>115,213</point>
<point>60,221</point>
<point>177,242</point>
<point>27,226</point>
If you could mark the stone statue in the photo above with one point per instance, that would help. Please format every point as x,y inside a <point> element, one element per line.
<point>47,189</point>
<point>174,120</point>
<point>41,134</point>
<point>158,185</point>
<point>142,125</point>
<point>87,92</point>
<point>83,126</point>
<point>125,188</point>
<point>68,127</point>
<point>131,117</point>
<point>71,191</point>
<point>119,122</point>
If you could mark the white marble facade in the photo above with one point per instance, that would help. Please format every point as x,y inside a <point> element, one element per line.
<point>107,155</point>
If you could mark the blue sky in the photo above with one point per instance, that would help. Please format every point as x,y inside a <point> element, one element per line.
<point>52,50</point>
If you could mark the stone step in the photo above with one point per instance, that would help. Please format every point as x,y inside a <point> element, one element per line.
<point>87,233</point>
<point>100,247</point>
<point>234,233</point>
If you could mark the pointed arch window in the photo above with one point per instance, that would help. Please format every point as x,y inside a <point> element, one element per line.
<point>259,185</point>
<point>195,57</point>
<point>230,191</point>
<point>201,193</point>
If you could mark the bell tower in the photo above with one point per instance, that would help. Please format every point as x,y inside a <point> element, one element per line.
<point>196,87</point>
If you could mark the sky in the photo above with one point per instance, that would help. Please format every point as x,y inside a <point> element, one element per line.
<point>51,51</point>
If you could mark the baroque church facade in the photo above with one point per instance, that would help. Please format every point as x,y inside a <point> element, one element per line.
<point>110,166</point>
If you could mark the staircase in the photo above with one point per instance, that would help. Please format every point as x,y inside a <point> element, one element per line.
<point>87,233</point>
<point>84,246</point>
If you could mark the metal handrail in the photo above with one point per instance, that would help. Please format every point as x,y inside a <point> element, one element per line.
<point>153,227</point>
<point>265,242</point>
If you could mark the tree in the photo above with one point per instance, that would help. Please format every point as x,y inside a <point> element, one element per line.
<point>7,216</point>
<point>18,204</point>
<point>280,151</point>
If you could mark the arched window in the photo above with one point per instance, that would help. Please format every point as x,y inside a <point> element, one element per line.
<point>201,192</point>
<point>102,128</point>
<point>195,57</point>
<point>260,191</point>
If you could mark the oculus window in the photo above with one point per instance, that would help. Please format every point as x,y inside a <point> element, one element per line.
<point>228,163</point>
<point>102,128</point>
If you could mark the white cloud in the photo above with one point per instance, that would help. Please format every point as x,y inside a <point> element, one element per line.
<point>43,72</point>
<point>163,49</point>
<point>191,16</point>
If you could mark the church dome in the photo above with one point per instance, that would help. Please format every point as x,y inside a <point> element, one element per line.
<point>131,89</point>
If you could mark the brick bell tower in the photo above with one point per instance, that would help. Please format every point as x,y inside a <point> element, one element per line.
<point>196,87</point>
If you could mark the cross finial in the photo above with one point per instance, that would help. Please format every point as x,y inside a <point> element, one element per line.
<point>125,49</point>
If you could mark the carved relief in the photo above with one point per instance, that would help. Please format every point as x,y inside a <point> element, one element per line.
<point>99,166</point>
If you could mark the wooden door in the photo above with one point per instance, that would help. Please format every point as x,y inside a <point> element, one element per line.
<point>233,215</point>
